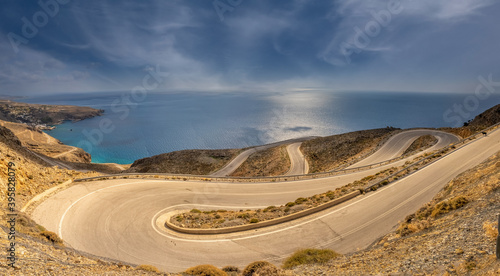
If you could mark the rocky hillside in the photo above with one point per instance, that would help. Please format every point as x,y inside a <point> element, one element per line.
<point>33,174</point>
<point>271,162</point>
<point>39,252</point>
<point>196,162</point>
<point>420,144</point>
<point>487,118</point>
<point>37,114</point>
<point>327,153</point>
<point>481,121</point>
<point>454,234</point>
<point>40,142</point>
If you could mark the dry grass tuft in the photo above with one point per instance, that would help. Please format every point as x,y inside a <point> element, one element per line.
<point>260,268</point>
<point>205,270</point>
<point>231,270</point>
<point>148,268</point>
<point>491,229</point>
<point>52,237</point>
<point>310,256</point>
<point>449,205</point>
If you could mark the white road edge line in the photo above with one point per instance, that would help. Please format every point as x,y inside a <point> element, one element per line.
<point>73,204</point>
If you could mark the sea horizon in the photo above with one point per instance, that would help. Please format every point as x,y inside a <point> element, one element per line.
<point>156,123</point>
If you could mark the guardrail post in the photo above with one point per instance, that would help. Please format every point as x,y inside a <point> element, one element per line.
<point>498,238</point>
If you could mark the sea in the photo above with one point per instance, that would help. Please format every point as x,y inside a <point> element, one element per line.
<point>136,126</point>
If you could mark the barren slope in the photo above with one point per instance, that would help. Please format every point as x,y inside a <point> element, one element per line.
<point>437,240</point>
<point>197,162</point>
<point>270,162</point>
<point>327,153</point>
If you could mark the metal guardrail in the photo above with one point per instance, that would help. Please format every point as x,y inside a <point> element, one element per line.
<point>454,146</point>
<point>286,178</point>
<point>258,179</point>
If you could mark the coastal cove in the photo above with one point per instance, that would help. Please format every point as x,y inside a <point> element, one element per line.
<point>175,121</point>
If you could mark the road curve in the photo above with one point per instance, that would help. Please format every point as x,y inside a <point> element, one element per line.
<point>121,219</point>
<point>298,162</point>
<point>234,164</point>
<point>397,144</point>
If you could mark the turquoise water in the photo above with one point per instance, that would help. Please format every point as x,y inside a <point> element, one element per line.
<point>137,127</point>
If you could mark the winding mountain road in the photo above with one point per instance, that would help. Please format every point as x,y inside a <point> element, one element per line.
<point>298,162</point>
<point>397,144</point>
<point>122,219</point>
<point>234,164</point>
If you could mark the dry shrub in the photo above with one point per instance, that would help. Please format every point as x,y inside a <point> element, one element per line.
<point>419,225</point>
<point>269,271</point>
<point>490,230</point>
<point>52,237</point>
<point>258,267</point>
<point>414,226</point>
<point>27,225</point>
<point>205,270</point>
<point>231,270</point>
<point>449,205</point>
<point>148,268</point>
<point>310,256</point>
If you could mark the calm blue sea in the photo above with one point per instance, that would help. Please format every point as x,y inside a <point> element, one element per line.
<point>133,128</point>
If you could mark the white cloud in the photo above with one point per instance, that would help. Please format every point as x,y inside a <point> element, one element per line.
<point>32,70</point>
<point>359,14</point>
<point>119,37</point>
<point>446,10</point>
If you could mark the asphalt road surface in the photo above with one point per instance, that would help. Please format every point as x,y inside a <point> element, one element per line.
<point>234,164</point>
<point>397,144</point>
<point>121,219</point>
<point>298,162</point>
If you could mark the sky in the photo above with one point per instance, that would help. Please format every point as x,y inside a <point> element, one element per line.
<point>64,46</point>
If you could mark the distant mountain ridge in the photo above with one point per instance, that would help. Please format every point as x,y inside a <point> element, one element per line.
<point>38,114</point>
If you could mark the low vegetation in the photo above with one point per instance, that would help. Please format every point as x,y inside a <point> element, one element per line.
<point>331,152</point>
<point>223,218</point>
<point>205,270</point>
<point>422,218</point>
<point>196,162</point>
<point>310,256</point>
<point>270,162</point>
<point>448,205</point>
<point>456,195</point>
<point>457,242</point>
<point>148,268</point>
<point>52,237</point>
<point>261,268</point>
<point>231,270</point>
<point>422,143</point>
